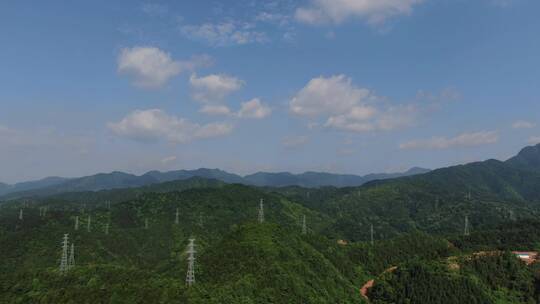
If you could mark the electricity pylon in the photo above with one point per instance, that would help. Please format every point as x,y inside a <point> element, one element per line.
<point>201,223</point>
<point>77,222</point>
<point>261,211</point>
<point>177,217</point>
<point>371,234</point>
<point>107,229</point>
<point>21,214</point>
<point>512,216</point>
<point>64,259</point>
<point>71,260</point>
<point>304,227</point>
<point>146,223</point>
<point>88,223</point>
<point>466,231</point>
<point>190,276</point>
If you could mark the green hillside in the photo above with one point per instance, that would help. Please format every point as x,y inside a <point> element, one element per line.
<point>418,232</point>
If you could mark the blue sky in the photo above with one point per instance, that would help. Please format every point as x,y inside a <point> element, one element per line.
<point>347,86</point>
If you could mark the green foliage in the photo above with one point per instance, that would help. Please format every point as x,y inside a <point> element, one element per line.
<point>503,271</point>
<point>389,253</point>
<point>421,282</point>
<point>417,223</point>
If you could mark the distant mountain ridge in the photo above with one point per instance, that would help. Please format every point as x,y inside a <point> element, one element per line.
<point>30,185</point>
<point>115,180</point>
<point>319,179</point>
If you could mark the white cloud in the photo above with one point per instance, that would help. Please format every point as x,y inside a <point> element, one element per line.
<point>273,18</point>
<point>349,108</point>
<point>463,140</point>
<point>214,87</point>
<point>168,159</point>
<point>151,68</point>
<point>254,109</point>
<point>534,140</point>
<point>294,141</point>
<point>224,33</point>
<point>333,95</point>
<point>521,124</point>
<point>215,110</point>
<point>155,124</point>
<point>338,11</point>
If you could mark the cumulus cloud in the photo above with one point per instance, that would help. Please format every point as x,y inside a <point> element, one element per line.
<point>534,140</point>
<point>150,67</point>
<point>338,11</point>
<point>332,95</point>
<point>463,140</point>
<point>155,124</point>
<point>215,110</point>
<point>254,109</point>
<point>214,87</point>
<point>224,33</point>
<point>522,124</point>
<point>348,107</point>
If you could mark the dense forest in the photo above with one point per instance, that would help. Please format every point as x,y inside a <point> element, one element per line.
<point>446,236</point>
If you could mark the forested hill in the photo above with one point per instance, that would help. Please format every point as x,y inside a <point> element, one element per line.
<point>136,249</point>
<point>429,226</point>
<point>135,252</point>
<point>527,159</point>
<point>487,193</point>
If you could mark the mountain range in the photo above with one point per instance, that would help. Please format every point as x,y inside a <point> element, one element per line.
<point>115,180</point>
<point>312,245</point>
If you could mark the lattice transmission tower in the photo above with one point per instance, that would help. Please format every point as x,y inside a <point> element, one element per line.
<point>261,211</point>
<point>71,260</point>
<point>64,259</point>
<point>190,276</point>
<point>371,232</point>
<point>466,230</point>
<point>89,223</point>
<point>304,226</point>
